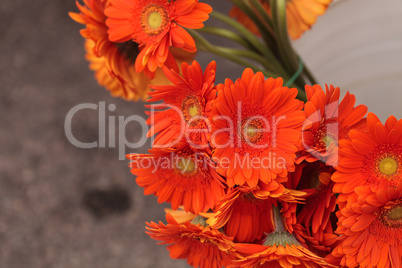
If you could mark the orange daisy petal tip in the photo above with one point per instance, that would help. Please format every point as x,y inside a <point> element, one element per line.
<point>179,176</point>
<point>280,249</point>
<point>370,158</point>
<point>156,25</point>
<point>256,127</point>
<point>194,241</point>
<point>113,63</point>
<point>370,228</point>
<point>180,215</point>
<point>328,120</point>
<point>302,14</point>
<point>188,100</point>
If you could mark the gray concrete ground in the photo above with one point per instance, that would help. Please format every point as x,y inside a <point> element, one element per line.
<point>62,206</point>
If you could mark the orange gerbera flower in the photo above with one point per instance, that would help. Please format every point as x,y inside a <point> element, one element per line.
<point>256,126</point>
<point>370,158</point>
<point>243,215</point>
<point>280,250</point>
<point>300,15</point>
<point>156,26</point>
<point>371,228</point>
<point>200,245</point>
<point>313,228</point>
<point>246,213</point>
<point>179,176</point>
<point>191,96</point>
<point>112,62</point>
<point>102,74</point>
<point>328,121</point>
<point>315,213</point>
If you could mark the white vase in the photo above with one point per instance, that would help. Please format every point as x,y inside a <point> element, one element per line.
<point>357,45</point>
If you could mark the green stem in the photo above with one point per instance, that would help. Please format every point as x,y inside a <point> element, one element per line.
<point>275,19</point>
<point>226,34</point>
<point>200,220</point>
<point>263,13</point>
<point>285,48</point>
<point>301,94</point>
<point>253,40</point>
<point>247,54</point>
<point>266,35</point>
<point>231,54</point>
<point>250,37</point>
<point>203,44</point>
<point>278,219</point>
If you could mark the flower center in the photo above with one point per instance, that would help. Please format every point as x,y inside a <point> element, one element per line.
<point>325,135</point>
<point>327,140</point>
<point>383,163</point>
<point>186,166</point>
<point>391,214</point>
<point>253,131</point>
<point>388,166</point>
<point>191,108</point>
<point>395,214</point>
<point>154,18</point>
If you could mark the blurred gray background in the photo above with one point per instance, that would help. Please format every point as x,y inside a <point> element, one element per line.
<point>62,206</point>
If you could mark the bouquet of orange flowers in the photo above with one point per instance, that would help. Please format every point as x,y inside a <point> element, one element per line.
<point>266,170</point>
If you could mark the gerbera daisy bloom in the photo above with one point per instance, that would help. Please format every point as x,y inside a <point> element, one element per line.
<point>102,74</point>
<point>328,121</point>
<point>371,228</point>
<point>179,176</point>
<point>195,241</point>
<point>370,158</point>
<point>243,215</point>
<point>280,249</point>
<point>156,25</point>
<point>113,63</point>
<point>300,15</point>
<point>256,126</point>
<point>314,218</point>
<point>246,213</point>
<point>315,213</point>
<point>191,94</point>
